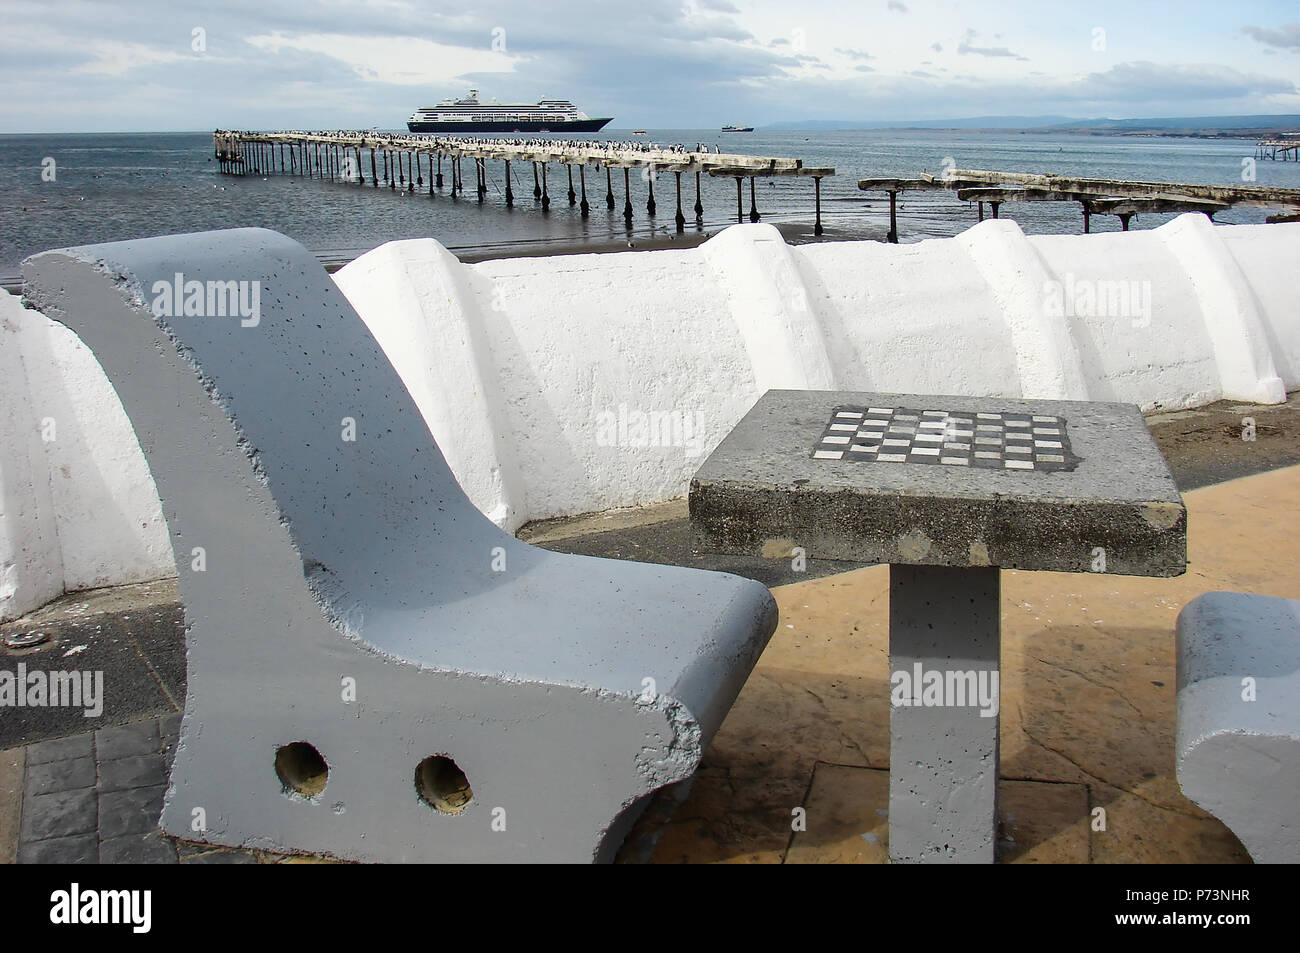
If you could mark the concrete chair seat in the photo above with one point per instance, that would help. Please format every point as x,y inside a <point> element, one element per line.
<point>1238,738</point>
<point>375,670</point>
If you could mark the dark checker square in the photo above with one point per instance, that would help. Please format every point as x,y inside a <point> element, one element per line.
<point>1001,441</point>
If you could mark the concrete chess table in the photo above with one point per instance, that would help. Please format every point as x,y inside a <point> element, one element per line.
<point>948,491</point>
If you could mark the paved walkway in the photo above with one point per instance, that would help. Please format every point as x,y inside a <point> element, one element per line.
<point>1087,708</point>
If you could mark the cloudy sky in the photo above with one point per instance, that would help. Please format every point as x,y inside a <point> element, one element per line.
<point>98,65</point>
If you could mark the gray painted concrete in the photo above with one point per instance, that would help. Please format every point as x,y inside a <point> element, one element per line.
<point>1238,738</point>
<point>943,758</point>
<point>566,688</point>
<point>760,487</point>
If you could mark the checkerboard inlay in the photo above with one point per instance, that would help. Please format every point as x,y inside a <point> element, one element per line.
<point>1002,441</point>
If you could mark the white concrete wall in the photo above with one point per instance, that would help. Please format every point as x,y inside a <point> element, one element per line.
<point>534,354</point>
<point>78,508</point>
<point>541,378</point>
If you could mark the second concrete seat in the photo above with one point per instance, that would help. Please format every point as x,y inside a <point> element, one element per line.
<point>375,670</point>
<point>1238,741</point>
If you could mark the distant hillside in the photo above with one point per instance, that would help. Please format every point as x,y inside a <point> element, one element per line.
<point>1186,126</point>
<point>979,122</point>
<point>1200,126</point>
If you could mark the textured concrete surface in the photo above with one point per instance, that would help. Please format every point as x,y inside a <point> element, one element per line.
<point>761,493</point>
<point>337,547</point>
<point>133,635</point>
<point>1239,717</point>
<point>943,751</point>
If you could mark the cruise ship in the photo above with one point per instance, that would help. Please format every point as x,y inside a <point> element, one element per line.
<point>471,115</point>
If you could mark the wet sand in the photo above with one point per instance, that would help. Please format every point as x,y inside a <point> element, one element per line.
<point>795,233</point>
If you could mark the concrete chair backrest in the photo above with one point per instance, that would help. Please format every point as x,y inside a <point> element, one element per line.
<point>306,499</point>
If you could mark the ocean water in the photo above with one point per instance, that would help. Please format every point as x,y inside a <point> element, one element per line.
<point>115,186</point>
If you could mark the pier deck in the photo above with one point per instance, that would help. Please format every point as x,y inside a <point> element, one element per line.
<point>401,160</point>
<point>1118,197</point>
<point>1270,148</point>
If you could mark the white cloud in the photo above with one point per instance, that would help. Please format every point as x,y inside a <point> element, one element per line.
<point>398,61</point>
<point>116,58</point>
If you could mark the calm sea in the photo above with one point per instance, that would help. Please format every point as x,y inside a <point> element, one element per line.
<point>120,186</point>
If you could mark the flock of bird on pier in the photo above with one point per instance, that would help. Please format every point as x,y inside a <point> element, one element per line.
<point>368,137</point>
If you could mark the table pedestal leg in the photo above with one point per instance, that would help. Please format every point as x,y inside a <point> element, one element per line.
<point>944,640</point>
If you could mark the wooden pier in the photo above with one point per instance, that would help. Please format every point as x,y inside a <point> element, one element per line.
<point>1279,149</point>
<point>407,161</point>
<point>1117,197</point>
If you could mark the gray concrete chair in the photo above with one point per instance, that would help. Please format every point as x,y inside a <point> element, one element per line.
<point>1238,741</point>
<point>377,672</point>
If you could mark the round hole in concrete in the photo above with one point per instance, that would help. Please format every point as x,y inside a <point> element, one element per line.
<point>301,769</point>
<point>442,784</point>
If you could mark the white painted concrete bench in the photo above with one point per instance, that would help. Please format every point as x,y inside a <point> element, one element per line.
<point>1238,739</point>
<point>376,671</point>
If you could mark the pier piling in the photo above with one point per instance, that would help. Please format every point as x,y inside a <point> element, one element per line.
<point>817,191</point>
<point>679,218</point>
<point>330,154</point>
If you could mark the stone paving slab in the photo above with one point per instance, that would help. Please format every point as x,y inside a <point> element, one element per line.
<point>12,766</point>
<point>96,797</point>
<point>847,820</point>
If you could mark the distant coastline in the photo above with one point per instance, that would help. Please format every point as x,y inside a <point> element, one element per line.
<point>1198,127</point>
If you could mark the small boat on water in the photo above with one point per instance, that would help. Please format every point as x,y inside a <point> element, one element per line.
<point>737,128</point>
<point>638,132</point>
